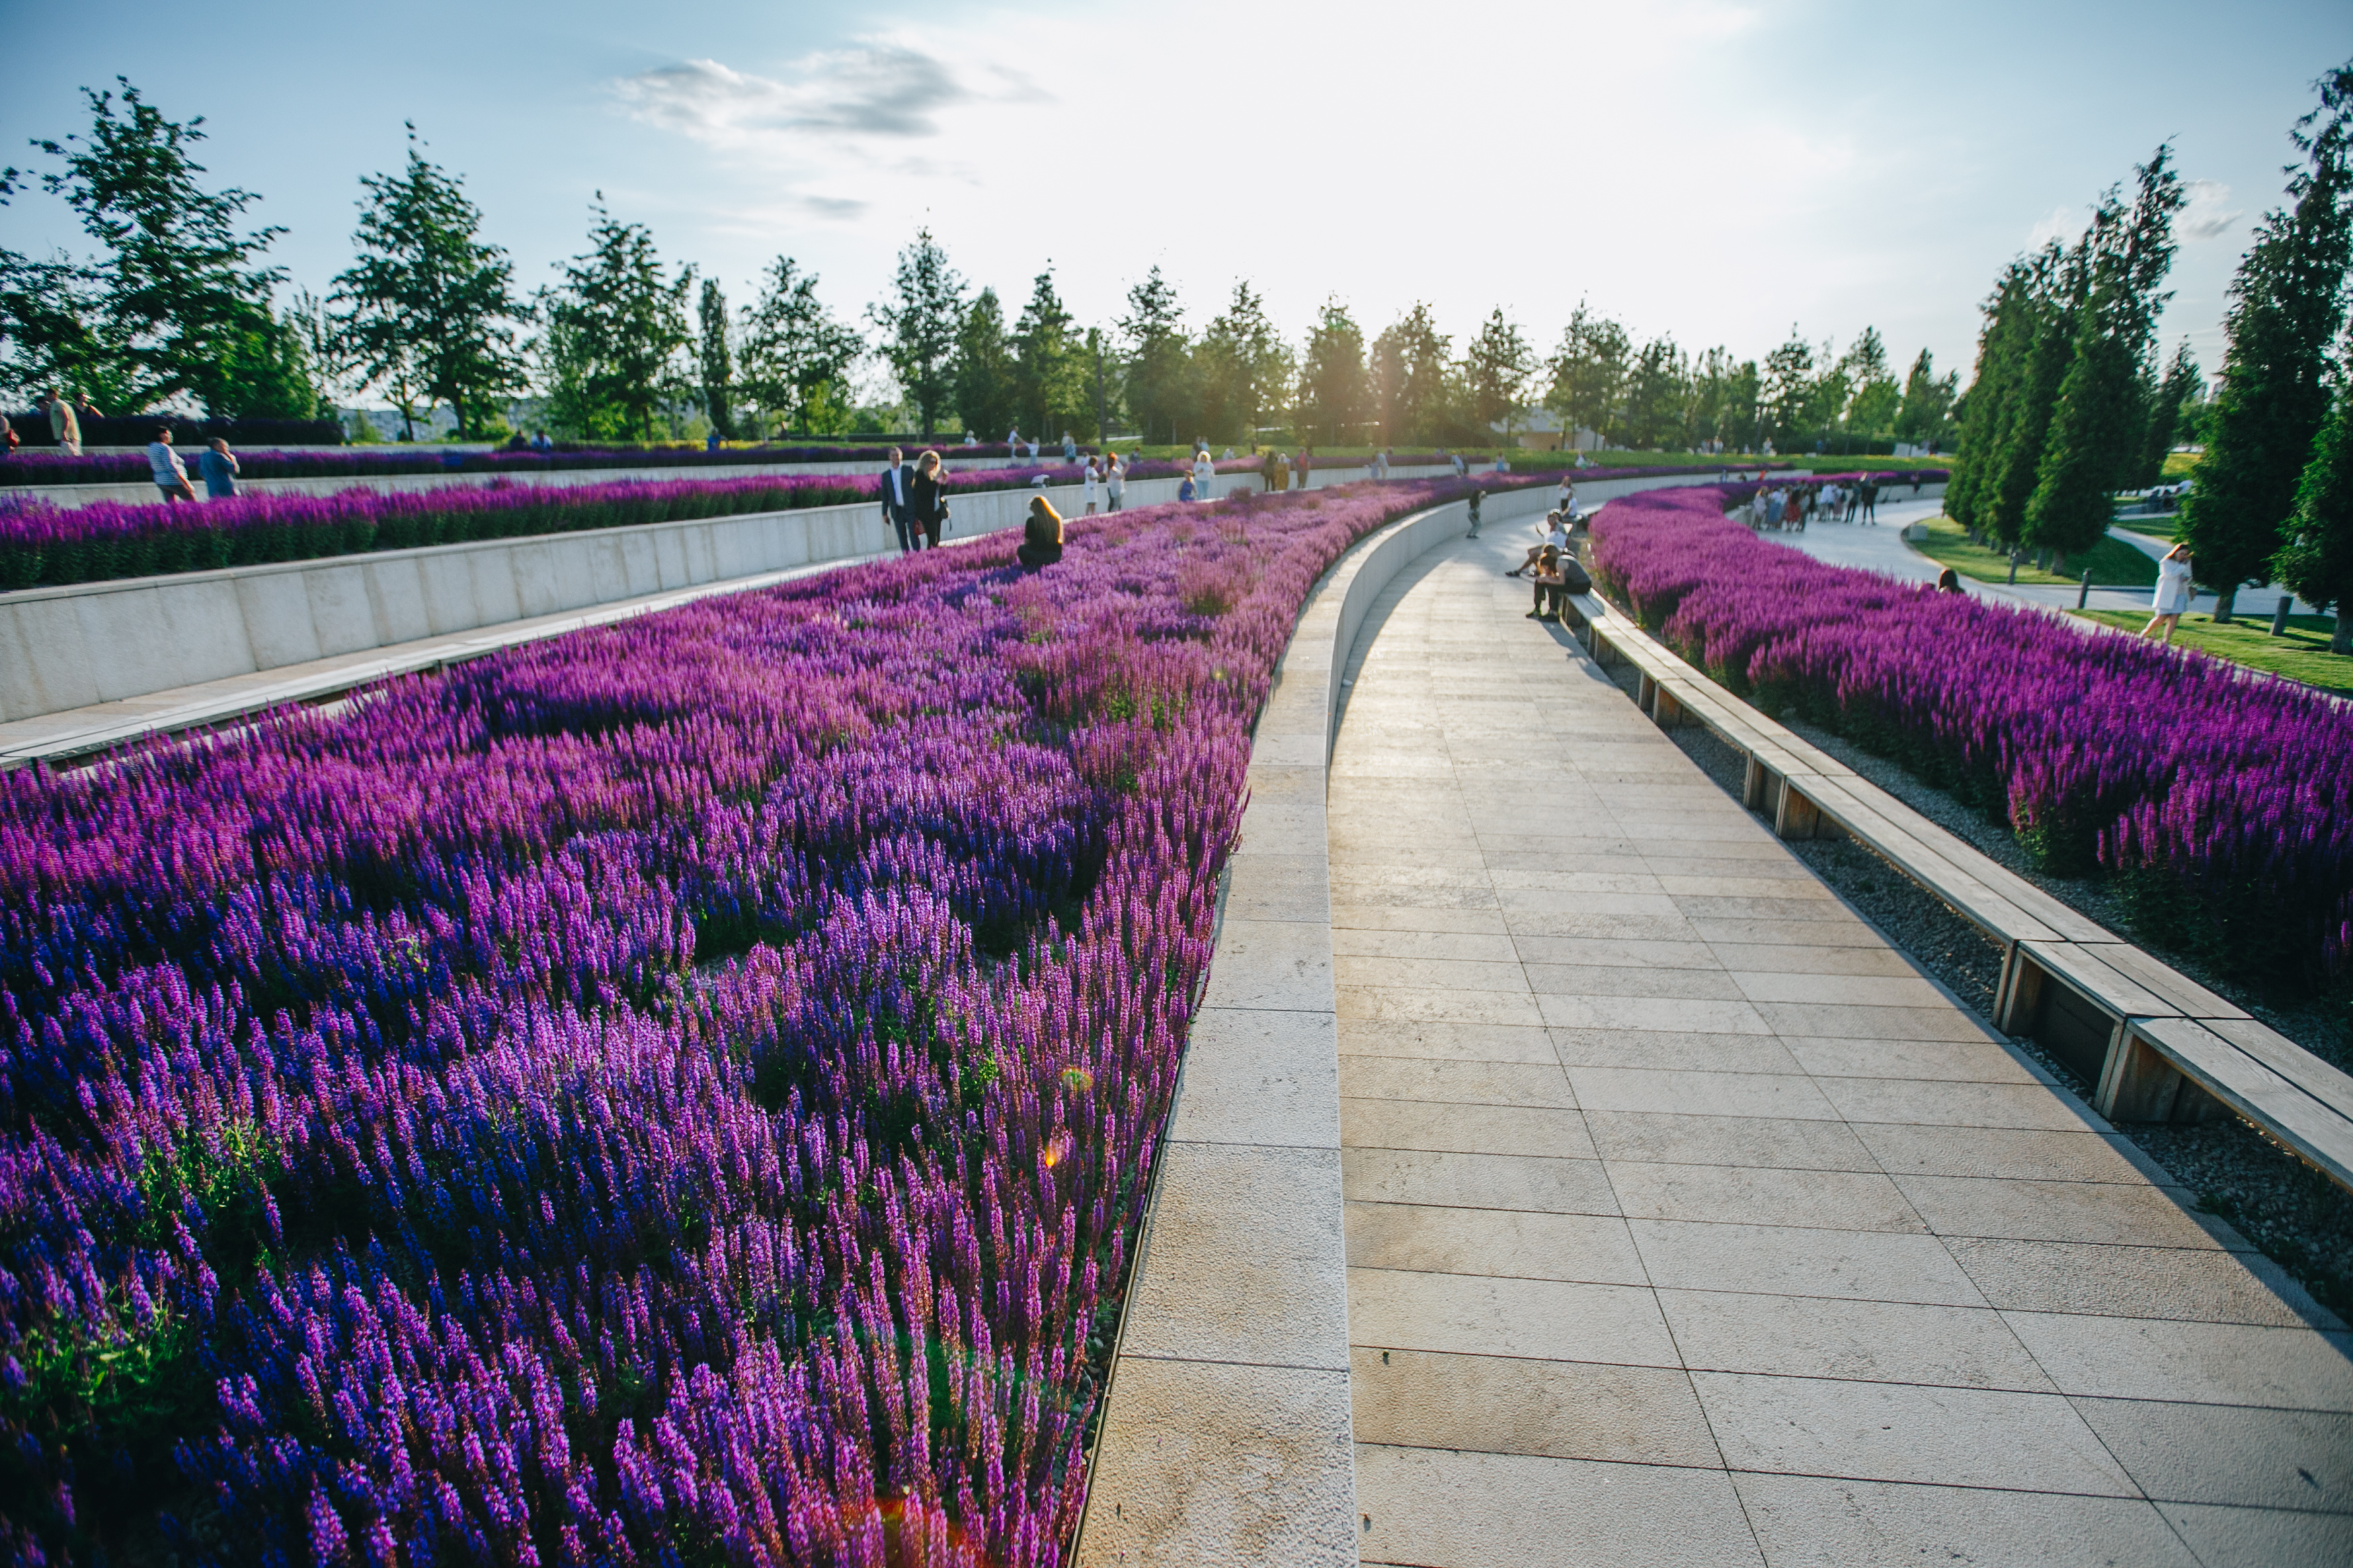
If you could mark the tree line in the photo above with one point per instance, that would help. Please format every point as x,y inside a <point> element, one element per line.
<point>176,307</point>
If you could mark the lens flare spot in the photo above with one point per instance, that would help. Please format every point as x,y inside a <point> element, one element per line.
<point>1058,1148</point>
<point>1078,1081</point>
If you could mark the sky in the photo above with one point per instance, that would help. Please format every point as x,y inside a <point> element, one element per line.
<point>1713,171</point>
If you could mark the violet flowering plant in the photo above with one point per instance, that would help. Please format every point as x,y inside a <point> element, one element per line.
<point>683,1091</point>
<point>41,544</point>
<point>2223,798</point>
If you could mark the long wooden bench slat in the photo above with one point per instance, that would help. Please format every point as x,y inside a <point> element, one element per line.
<point>2317,1130</point>
<point>2282,1056</point>
<point>2189,998</point>
<point>2081,967</point>
<point>1985,906</point>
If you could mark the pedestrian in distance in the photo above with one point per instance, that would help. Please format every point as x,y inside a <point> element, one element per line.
<point>1186,489</point>
<point>1093,481</point>
<point>2173,593</point>
<point>1042,535</point>
<point>1555,539</point>
<point>1278,472</point>
<point>927,509</point>
<point>540,443</point>
<point>1299,469</point>
<point>1564,495</point>
<point>64,429</point>
<point>1871,502</point>
<point>1793,513</point>
<point>1472,507</point>
<point>1115,480</point>
<point>219,465</point>
<point>898,500</point>
<point>1070,449</point>
<point>1204,470</point>
<point>1013,442</point>
<point>170,476</point>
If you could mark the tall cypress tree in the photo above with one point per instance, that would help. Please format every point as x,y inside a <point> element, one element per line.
<point>2096,423</point>
<point>717,363</point>
<point>2318,561</point>
<point>2287,305</point>
<point>2055,292</point>
<point>2002,350</point>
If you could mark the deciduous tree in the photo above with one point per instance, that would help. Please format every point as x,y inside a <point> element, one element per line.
<point>794,358</point>
<point>1244,367</point>
<point>427,307</point>
<point>1408,377</point>
<point>616,328</point>
<point>920,324</point>
<point>1333,388</point>
<point>1587,373</point>
<point>1496,367</point>
<point>1158,380</point>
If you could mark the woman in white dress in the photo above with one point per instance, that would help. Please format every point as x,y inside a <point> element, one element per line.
<point>1093,479</point>
<point>2172,593</point>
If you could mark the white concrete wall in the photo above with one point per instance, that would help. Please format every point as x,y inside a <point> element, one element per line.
<point>98,642</point>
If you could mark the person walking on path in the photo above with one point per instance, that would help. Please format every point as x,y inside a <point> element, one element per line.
<point>1299,469</point>
<point>1070,449</point>
<point>170,476</point>
<point>1277,472</point>
<point>219,465</point>
<point>1871,503</point>
<point>1092,480</point>
<point>1793,513</point>
<point>1205,469</point>
<point>1115,480</point>
<point>897,497</point>
<point>1473,506</point>
<point>64,428</point>
<point>927,509</point>
<point>2172,599</point>
<point>1042,535</point>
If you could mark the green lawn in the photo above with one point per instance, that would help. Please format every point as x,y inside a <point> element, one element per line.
<point>2113,563</point>
<point>2300,653</point>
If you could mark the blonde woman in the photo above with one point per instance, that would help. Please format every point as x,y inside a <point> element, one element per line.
<point>1204,470</point>
<point>927,509</point>
<point>1042,535</point>
<point>2173,593</point>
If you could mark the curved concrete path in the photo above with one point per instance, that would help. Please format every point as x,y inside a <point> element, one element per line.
<point>1687,1223</point>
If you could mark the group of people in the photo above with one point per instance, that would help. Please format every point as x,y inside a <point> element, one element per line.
<point>1793,505</point>
<point>217,465</point>
<point>1550,563</point>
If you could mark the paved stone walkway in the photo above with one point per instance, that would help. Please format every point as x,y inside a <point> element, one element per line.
<point>1688,1224</point>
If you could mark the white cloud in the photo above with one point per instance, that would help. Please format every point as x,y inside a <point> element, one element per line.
<point>878,90</point>
<point>2203,217</point>
<point>2062,223</point>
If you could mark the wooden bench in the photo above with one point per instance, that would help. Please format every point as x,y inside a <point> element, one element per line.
<point>2154,1044</point>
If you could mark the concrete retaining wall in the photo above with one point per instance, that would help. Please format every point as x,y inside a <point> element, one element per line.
<point>101,642</point>
<point>1228,1442</point>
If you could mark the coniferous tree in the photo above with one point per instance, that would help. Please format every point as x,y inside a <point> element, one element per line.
<point>1243,367</point>
<point>2316,563</point>
<point>2054,295</point>
<point>920,325</point>
<point>1658,392</point>
<point>1333,390</point>
<point>2182,385</point>
<point>1496,365</point>
<point>1407,376</point>
<point>616,327</point>
<point>428,308</point>
<point>1924,414</point>
<point>2004,344</point>
<point>793,357</point>
<point>1159,369</point>
<point>2097,422</point>
<point>1052,377</point>
<point>717,363</point>
<point>2287,304</point>
<point>1589,372</point>
<point>983,373</point>
<point>1788,384</point>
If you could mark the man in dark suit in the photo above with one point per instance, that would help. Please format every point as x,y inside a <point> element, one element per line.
<point>897,482</point>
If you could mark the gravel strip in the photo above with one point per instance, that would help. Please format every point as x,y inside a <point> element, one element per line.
<point>2292,1213</point>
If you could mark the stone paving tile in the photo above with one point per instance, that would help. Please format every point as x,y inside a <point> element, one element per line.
<point>1347,917</point>
<point>1557,1409</point>
<point>1822,931</point>
<point>1805,1522</point>
<point>2026,1106</point>
<point>1863,1266</point>
<point>2029,1156</point>
<point>2212,1286</point>
<point>2225,1454</point>
<point>1478,947</point>
<point>1624,980</point>
<point>1869,1342</point>
<point>1787,958</point>
<point>1477,1181</point>
<point>1467,1128</point>
<point>1674,1051</point>
<point>1957,1061</point>
<point>1701,1093</point>
<point>1354,972</point>
<point>1438,1004</point>
<point>1459,1083</point>
<point>1833,1020</point>
<point>1431,1508</point>
<point>2137,1214</point>
<point>1738,1194</point>
<point>1594,1249</point>
<point>1907,1432</point>
<point>1668,1137</point>
<point>2263,1538</point>
<point>1547,1320</point>
<point>1446,1041</point>
<point>1589,952</point>
<point>1672,1013</point>
<point>2203,1363</point>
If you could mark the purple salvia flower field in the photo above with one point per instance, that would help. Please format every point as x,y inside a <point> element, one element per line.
<point>2223,798</point>
<point>682,1092</point>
